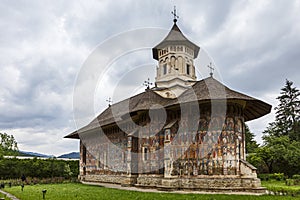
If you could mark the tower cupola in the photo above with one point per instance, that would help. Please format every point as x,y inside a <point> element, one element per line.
<point>175,56</point>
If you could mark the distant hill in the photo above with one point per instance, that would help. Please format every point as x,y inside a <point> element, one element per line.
<point>73,155</point>
<point>34,154</point>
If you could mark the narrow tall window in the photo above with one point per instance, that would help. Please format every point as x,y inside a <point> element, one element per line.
<point>188,69</point>
<point>83,159</point>
<point>145,152</point>
<point>83,154</point>
<point>165,68</point>
<point>124,157</point>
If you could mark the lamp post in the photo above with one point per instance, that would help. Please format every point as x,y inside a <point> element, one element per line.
<point>44,193</point>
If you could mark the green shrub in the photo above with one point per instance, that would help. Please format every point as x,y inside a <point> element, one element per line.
<point>289,182</point>
<point>264,177</point>
<point>296,176</point>
<point>277,176</point>
<point>13,168</point>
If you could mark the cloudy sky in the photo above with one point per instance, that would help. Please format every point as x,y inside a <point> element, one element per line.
<point>44,45</point>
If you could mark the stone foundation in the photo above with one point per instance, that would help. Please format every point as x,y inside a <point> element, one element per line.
<point>213,184</point>
<point>203,183</point>
<point>129,180</point>
<point>149,180</point>
<point>116,179</point>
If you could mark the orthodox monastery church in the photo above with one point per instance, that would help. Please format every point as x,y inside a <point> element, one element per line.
<point>183,133</point>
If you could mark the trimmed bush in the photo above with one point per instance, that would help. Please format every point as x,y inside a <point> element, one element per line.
<point>264,177</point>
<point>275,176</point>
<point>278,176</point>
<point>289,182</point>
<point>296,176</point>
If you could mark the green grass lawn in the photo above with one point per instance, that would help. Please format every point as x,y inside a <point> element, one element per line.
<point>85,192</point>
<point>274,185</point>
<point>3,196</point>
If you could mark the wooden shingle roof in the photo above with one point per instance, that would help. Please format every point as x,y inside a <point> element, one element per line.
<point>211,89</point>
<point>202,91</point>
<point>175,37</point>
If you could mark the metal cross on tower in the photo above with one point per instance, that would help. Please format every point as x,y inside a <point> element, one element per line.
<point>147,83</point>
<point>109,100</point>
<point>175,15</point>
<point>211,69</point>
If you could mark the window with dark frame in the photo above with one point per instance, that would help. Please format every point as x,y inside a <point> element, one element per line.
<point>165,68</point>
<point>188,69</point>
<point>145,153</point>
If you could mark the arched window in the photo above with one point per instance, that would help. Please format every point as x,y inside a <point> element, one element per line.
<point>188,66</point>
<point>180,64</point>
<point>173,59</point>
<point>165,69</point>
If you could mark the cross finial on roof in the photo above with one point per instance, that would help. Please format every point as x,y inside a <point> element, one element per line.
<point>211,69</point>
<point>175,15</point>
<point>147,83</point>
<point>109,100</point>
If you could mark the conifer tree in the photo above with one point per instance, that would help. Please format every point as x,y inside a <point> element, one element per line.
<point>251,144</point>
<point>287,114</point>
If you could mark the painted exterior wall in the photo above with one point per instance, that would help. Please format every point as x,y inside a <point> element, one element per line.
<point>153,156</point>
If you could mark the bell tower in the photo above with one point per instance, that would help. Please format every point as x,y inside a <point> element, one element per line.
<point>175,71</point>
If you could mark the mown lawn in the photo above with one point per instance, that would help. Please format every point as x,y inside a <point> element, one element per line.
<point>71,191</point>
<point>3,196</point>
<point>279,186</point>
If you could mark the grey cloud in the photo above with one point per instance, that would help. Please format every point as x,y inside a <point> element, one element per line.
<point>254,44</point>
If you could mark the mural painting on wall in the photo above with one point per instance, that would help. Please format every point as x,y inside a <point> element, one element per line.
<point>152,158</point>
<point>111,161</point>
<point>215,150</point>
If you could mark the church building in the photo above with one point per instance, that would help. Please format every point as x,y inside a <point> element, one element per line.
<point>183,133</point>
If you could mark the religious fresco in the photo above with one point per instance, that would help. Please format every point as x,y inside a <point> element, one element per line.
<point>214,148</point>
<point>109,157</point>
<point>151,140</point>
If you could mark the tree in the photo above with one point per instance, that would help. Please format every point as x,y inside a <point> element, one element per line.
<point>280,154</point>
<point>251,144</point>
<point>50,168</point>
<point>287,114</point>
<point>8,144</point>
